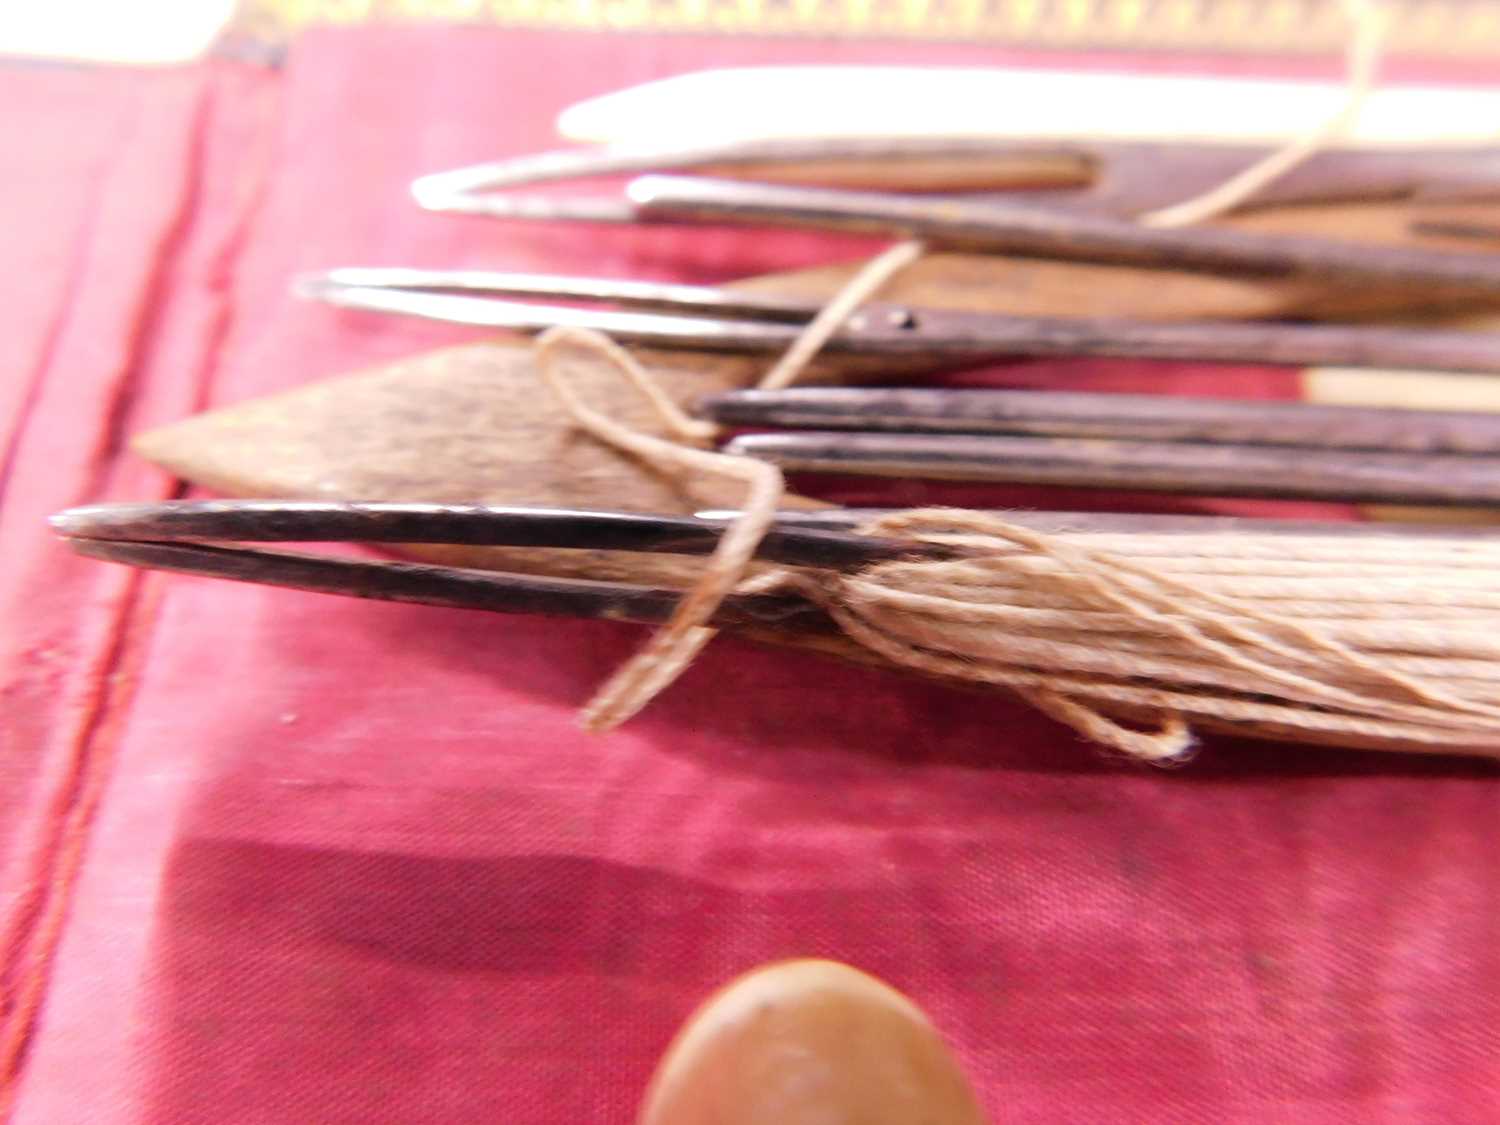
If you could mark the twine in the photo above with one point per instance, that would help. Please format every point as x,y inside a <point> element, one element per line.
<point>1368,24</point>
<point>1123,628</point>
<point>1096,629</point>
<point>678,641</point>
<point>865,283</point>
<point>674,646</point>
<point>1092,629</point>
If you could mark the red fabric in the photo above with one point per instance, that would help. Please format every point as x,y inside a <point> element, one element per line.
<point>333,861</point>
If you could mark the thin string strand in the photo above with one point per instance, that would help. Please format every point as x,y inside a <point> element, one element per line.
<point>1368,24</point>
<point>674,646</point>
<point>865,283</point>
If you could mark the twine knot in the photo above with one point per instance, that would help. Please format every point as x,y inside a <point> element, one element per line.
<point>1129,639</point>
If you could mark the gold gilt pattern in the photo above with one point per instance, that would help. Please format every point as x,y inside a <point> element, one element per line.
<point>1450,27</point>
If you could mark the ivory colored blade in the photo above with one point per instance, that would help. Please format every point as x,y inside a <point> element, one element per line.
<point>811,101</point>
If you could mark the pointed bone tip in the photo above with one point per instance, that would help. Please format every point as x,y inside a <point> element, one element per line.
<point>314,286</point>
<point>437,192</point>
<point>424,190</point>
<point>644,190</point>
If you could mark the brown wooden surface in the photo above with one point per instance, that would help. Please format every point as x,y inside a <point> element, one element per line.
<point>1034,287</point>
<point>1183,468</point>
<point>943,337</point>
<point>1076,414</point>
<point>464,425</point>
<point>1024,229</point>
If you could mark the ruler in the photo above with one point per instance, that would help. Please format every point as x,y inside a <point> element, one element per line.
<point>1434,27</point>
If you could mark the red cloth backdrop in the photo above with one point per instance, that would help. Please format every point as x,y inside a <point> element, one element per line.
<point>272,857</point>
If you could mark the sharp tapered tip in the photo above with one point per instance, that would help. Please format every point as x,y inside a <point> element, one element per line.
<point>103,521</point>
<point>434,192</point>
<point>644,190</point>
<point>74,522</point>
<point>314,286</point>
